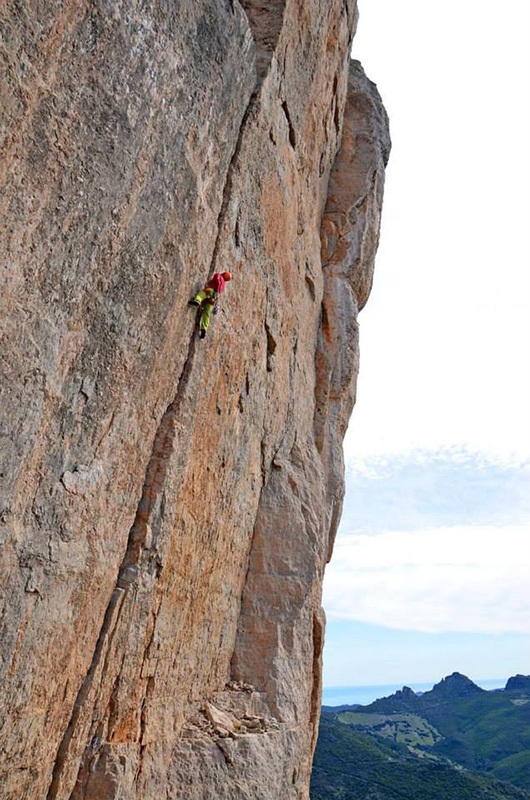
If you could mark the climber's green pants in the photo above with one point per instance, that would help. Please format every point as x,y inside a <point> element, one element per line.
<point>206,307</point>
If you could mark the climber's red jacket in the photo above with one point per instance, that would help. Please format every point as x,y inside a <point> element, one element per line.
<point>217,283</point>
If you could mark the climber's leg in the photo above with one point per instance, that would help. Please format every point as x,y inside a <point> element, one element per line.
<point>197,300</point>
<point>207,309</point>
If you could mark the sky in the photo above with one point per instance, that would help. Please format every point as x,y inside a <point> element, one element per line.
<point>431,567</point>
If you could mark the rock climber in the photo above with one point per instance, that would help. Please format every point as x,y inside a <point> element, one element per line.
<point>207,299</point>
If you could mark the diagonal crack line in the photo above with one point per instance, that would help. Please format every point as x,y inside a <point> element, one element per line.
<point>153,484</point>
<point>157,467</point>
<point>108,627</point>
<point>227,190</point>
<point>156,472</point>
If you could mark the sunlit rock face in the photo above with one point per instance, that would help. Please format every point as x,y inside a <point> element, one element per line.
<point>168,504</point>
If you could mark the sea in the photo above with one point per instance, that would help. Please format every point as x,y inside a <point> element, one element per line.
<point>363,695</point>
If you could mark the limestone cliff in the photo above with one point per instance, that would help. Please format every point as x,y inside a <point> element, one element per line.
<point>167,504</point>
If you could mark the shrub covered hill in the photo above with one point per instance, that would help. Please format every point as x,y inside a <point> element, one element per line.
<point>454,742</point>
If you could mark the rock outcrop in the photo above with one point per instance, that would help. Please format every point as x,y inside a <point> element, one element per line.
<point>518,683</point>
<point>167,505</point>
<point>453,686</point>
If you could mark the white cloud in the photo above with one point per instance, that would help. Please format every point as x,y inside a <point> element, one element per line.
<point>378,465</point>
<point>445,337</point>
<point>445,359</point>
<point>460,579</point>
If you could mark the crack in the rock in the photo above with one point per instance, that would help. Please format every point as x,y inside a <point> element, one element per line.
<point>319,623</point>
<point>128,572</point>
<point>143,726</point>
<point>265,21</point>
<point>292,132</point>
<point>156,472</point>
<point>265,18</point>
<point>153,483</point>
<point>227,189</point>
<point>155,475</point>
<point>114,607</point>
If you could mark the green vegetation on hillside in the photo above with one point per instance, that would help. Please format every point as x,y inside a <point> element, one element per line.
<point>477,729</point>
<point>357,766</point>
<point>408,729</point>
<point>452,743</point>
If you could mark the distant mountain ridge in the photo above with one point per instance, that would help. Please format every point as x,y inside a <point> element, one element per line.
<point>454,685</point>
<point>457,725</point>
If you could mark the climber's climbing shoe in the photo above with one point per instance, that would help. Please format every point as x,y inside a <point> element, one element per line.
<point>202,334</point>
<point>194,303</point>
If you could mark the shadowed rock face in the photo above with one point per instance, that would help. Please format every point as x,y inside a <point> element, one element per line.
<point>518,683</point>
<point>167,504</point>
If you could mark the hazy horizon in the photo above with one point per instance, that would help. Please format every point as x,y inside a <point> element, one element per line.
<point>478,682</point>
<point>365,694</point>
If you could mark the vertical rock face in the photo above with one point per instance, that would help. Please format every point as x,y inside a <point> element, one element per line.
<point>167,505</point>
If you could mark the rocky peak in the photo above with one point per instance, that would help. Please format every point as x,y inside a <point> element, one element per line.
<point>455,686</point>
<point>406,693</point>
<point>402,701</point>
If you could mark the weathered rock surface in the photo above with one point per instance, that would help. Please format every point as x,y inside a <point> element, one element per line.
<point>167,505</point>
